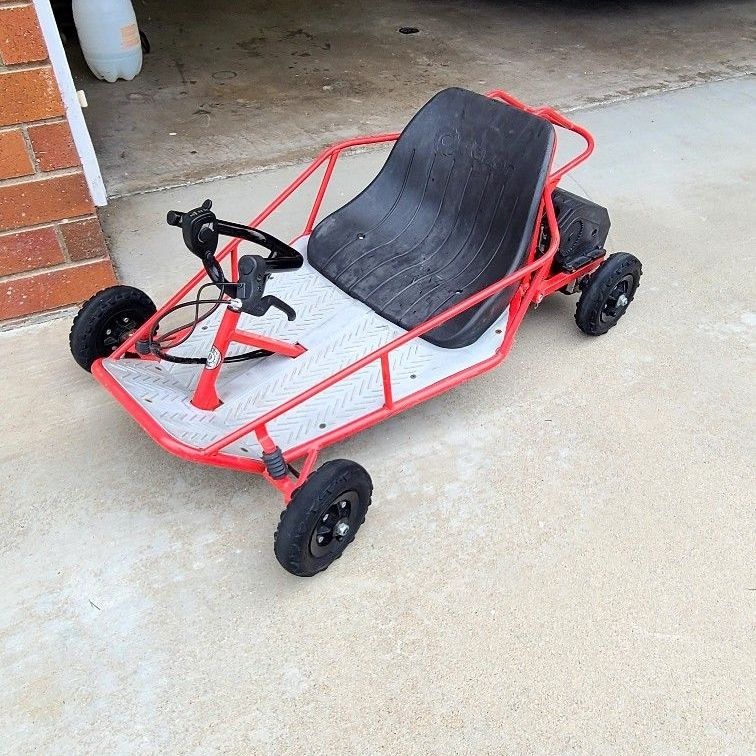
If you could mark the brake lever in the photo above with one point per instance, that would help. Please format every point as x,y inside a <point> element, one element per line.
<point>250,290</point>
<point>261,306</point>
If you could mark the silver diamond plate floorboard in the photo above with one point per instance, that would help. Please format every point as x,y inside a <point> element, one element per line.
<point>336,331</point>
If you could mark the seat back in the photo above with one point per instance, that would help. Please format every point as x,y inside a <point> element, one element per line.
<point>452,211</point>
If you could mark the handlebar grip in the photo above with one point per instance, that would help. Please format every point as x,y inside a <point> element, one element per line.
<point>174,218</point>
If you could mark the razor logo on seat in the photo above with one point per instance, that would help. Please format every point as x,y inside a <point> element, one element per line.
<point>449,145</point>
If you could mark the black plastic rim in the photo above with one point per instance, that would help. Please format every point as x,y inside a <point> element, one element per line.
<point>612,308</point>
<point>116,329</point>
<point>326,537</point>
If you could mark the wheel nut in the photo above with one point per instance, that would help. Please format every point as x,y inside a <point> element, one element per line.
<point>341,529</point>
<point>622,300</point>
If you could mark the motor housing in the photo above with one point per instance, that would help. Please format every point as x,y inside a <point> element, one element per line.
<point>583,228</point>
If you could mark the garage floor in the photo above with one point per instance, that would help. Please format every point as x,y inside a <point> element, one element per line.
<point>232,86</point>
<point>559,556</point>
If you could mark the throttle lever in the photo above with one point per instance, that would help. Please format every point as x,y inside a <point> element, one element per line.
<point>199,228</point>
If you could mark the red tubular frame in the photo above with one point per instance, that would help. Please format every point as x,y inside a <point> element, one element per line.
<point>534,279</point>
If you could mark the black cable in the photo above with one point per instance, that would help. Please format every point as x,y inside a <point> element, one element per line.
<point>254,355</point>
<point>156,347</point>
<point>197,318</point>
<point>293,470</point>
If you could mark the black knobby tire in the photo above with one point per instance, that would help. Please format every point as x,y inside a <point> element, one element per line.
<point>106,320</point>
<point>608,293</point>
<point>306,540</point>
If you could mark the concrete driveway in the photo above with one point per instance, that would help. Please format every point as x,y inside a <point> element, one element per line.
<point>559,556</point>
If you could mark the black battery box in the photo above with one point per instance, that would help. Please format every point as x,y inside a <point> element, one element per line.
<point>583,228</point>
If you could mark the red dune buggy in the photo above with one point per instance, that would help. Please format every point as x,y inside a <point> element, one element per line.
<point>418,283</point>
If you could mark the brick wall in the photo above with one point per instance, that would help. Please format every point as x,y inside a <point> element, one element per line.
<point>52,250</point>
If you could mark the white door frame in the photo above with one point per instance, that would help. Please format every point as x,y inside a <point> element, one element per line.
<point>79,130</point>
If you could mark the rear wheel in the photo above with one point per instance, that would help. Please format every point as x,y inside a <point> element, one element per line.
<point>106,320</point>
<point>608,293</point>
<point>322,517</point>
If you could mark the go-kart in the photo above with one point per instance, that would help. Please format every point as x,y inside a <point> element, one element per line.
<point>417,284</point>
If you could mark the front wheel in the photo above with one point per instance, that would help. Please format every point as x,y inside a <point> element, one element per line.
<point>608,293</point>
<point>106,320</point>
<point>322,517</point>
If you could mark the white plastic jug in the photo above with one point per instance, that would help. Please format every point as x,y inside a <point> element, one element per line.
<point>109,37</point>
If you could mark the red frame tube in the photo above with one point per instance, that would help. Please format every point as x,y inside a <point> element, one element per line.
<point>533,277</point>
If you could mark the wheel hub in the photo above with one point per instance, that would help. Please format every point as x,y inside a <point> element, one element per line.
<point>334,525</point>
<point>618,299</point>
<point>116,330</point>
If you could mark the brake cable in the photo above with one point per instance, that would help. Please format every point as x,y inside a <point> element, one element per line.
<point>158,346</point>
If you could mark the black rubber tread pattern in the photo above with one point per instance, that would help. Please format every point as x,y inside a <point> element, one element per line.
<point>598,288</point>
<point>291,541</point>
<point>85,330</point>
<point>452,211</point>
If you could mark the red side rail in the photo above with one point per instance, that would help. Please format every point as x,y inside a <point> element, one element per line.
<point>534,284</point>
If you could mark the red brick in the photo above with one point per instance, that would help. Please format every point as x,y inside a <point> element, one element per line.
<point>50,290</point>
<point>84,239</point>
<point>21,40</point>
<point>29,250</point>
<point>53,146</point>
<point>29,95</point>
<point>28,203</point>
<point>14,158</point>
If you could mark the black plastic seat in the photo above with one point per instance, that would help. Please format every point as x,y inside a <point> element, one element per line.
<point>452,211</point>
